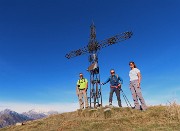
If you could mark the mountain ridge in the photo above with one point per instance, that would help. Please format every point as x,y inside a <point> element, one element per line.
<point>10,117</point>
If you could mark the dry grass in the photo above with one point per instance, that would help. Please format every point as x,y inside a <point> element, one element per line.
<point>157,118</point>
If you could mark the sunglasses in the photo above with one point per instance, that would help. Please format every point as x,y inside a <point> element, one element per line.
<point>112,72</point>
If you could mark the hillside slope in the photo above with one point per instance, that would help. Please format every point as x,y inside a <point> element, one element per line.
<point>157,118</point>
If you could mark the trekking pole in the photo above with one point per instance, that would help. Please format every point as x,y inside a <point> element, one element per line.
<point>126,99</point>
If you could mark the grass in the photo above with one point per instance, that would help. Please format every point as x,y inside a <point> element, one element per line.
<point>156,118</point>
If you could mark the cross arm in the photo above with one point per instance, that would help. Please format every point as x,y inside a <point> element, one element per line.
<point>115,39</point>
<point>78,52</point>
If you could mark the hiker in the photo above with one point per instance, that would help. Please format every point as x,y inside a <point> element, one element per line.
<point>81,91</point>
<point>115,86</point>
<point>135,81</point>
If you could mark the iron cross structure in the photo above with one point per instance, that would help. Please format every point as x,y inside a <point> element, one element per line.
<point>93,47</point>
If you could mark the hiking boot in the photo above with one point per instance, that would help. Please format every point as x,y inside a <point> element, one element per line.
<point>141,108</point>
<point>110,103</point>
<point>119,103</point>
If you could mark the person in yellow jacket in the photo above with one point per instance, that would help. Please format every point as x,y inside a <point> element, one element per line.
<point>81,91</point>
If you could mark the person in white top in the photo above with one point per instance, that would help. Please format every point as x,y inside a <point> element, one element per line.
<point>135,81</point>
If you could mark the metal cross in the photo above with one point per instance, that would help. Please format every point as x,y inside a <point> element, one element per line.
<point>92,48</point>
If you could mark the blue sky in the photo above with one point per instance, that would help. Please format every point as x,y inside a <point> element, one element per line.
<point>35,35</point>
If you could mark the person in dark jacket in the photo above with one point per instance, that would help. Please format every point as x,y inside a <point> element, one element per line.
<point>115,85</point>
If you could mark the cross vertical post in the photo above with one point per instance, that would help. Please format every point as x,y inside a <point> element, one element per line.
<point>95,98</point>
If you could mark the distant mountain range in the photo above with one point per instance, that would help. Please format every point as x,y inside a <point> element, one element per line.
<point>37,114</point>
<point>9,117</point>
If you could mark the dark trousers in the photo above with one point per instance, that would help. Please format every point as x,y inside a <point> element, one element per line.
<point>117,91</point>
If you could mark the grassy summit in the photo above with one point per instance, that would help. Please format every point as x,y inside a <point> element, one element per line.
<point>157,118</point>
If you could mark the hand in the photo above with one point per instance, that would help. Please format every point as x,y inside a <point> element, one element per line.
<point>85,90</point>
<point>138,86</point>
<point>77,93</point>
<point>119,85</point>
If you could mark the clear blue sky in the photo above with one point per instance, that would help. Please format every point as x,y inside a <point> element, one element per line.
<point>35,35</point>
